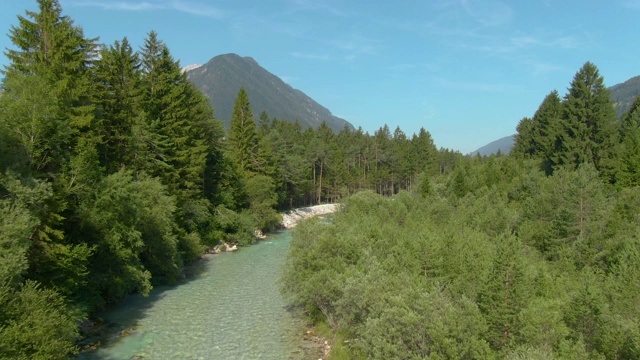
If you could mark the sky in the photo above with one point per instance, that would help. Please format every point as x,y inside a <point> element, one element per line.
<point>467,71</point>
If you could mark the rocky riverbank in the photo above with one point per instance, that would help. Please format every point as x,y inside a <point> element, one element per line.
<point>290,219</point>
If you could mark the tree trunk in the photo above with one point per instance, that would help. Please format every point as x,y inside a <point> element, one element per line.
<point>320,183</point>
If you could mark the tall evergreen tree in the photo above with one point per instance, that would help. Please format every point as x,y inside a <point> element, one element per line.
<point>426,152</point>
<point>177,118</point>
<point>628,174</point>
<point>588,133</point>
<point>524,143</point>
<point>242,131</point>
<point>546,128</point>
<point>49,46</point>
<point>118,97</point>
<point>52,64</point>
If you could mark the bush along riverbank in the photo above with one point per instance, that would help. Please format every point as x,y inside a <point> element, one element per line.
<point>533,266</point>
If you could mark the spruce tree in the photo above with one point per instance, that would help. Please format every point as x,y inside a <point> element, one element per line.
<point>51,48</point>
<point>242,132</point>
<point>546,128</point>
<point>118,97</point>
<point>524,143</point>
<point>177,120</point>
<point>588,126</point>
<point>51,63</point>
<point>426,152</point>
<point>506,292</point>
<point>628,173</point>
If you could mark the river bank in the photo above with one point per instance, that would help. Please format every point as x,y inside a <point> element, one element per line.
<point>139,327</point>
<point>230,308</point>
<point>291,218</point>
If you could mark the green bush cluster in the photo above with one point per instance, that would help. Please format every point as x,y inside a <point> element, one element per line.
<point>520,266</point>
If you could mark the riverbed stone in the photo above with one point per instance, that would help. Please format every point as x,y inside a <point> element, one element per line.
<point>292,218</point>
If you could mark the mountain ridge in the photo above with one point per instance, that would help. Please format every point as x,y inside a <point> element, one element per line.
<point>623,94</point>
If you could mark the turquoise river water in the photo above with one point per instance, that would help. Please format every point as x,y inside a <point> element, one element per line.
<point>230,309</point>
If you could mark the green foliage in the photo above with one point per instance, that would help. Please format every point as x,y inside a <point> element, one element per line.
<point>133,229</point>
<point>629,154</point>
<point>518,265</point>
<point>32,133</point>
<point>506,292</point>
<point>18,223</point>
<point>235,227</point>
<point>242,131</point>
<point>35,323</point>
<point>118,98</point>
<point>114,173</point>
<point>524,144</point>
<point>262,194</point>
<point>589,134</point>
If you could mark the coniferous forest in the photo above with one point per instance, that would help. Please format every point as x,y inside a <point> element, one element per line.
<point>535,255</point>
<point>115,175</point>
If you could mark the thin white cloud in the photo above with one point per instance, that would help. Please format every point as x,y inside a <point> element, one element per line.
<point>539,68</point>
<point>631,4</point>
<point>486,13</point>
<point>321,57</point>
<point>187,7</point>
<point>354,46</point>
<point>313,5</point>
<point>198,8</point>
<point>472,86</point>
<point>117,5</point>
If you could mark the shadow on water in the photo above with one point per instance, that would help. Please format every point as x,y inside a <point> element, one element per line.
<point>121,320</point>
<point>229,307</point>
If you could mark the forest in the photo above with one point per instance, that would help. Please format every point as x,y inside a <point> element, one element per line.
<point>115,175</point>
<point>534,255</point>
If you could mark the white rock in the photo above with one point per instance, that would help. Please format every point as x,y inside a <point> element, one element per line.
<point>291,219</point>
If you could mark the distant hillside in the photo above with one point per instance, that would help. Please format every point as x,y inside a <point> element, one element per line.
<point>624,94</point>
<point>504,145</point>
<point>222,77</point>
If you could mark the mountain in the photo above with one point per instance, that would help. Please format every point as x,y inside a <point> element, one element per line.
<point>222,77</point>
<point>623,94</point>
<point>504,145</point>
<point>190,67</point>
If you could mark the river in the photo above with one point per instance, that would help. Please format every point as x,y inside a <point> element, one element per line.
<point>230,309</point>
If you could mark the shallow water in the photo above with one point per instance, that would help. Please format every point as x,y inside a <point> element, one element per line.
<point>231,309</point>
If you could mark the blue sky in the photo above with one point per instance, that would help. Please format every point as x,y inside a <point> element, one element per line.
<point>465,70</point>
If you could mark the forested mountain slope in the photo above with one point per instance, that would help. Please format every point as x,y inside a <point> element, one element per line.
<point>623,94</point>
<point>502,145</point>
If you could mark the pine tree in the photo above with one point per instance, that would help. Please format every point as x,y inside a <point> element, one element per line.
<point>628,174</point>
<point>177,121</point>
<point>56,52</point>
<point>118,97</point>
<point>505,293</point>
<point>524,145</point>
<point>51,64</point>
<point>242,132</point>
<point>546,128</point>
<point>265,124</point>
<point>426,152</point>
<point>588,126</point>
